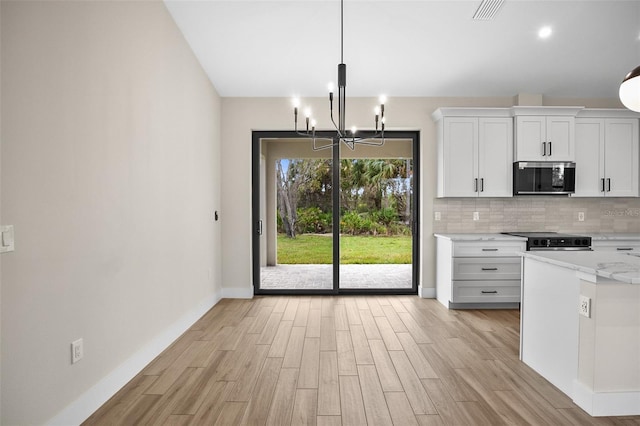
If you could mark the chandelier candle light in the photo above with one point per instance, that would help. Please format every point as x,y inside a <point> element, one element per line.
<point>348,137</point>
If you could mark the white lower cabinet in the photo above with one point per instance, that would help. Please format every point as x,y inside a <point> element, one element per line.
<point>480,272</point>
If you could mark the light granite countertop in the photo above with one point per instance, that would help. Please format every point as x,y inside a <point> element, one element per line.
<point>480,237</point>
<point>612,265</point>
<point>613,237</point>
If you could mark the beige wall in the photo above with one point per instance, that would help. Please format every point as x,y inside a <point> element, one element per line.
<point>110,174</point>
<point>242,115</point>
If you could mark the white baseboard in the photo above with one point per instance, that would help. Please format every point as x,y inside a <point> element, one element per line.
<point>427,292</point>
<point>237,293</point>
<point>79,410</point>
<point>606,403</point>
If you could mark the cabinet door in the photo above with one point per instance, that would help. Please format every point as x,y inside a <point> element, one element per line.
<point>495,157</point>
<point>460,156</point>
<point>621,157</point>
<point>589,157</point>
<point>560,139</point>
<point>530,136</point>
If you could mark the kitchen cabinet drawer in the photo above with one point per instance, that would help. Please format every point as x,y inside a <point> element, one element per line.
<point>486,292</point>
<point>488,249</point>
<point>619,246</point>
<point>507,268</point>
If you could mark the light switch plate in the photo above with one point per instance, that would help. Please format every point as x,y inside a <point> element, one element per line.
<point>6,239</point>
<point>437,215</point>
<point>476,215</point>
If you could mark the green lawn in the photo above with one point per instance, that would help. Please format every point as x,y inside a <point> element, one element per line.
<point>316,249</point>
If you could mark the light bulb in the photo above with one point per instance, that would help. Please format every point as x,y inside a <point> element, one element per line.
<point>313,123</point>
<point>376,110</point>
<point>296,102</point>
<point>354,129</point>
<point>545,32</point>
<point>330,87</point>
<point>307,112</point>
<point>383,99</point>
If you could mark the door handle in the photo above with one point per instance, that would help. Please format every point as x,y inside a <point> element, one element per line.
<point>544,149</point>
<point>549,149</point>
<point>481,184</point>
<point>489,269</point>
<point>475,185</point>
<point>608,184</point>
<point>489,292</point>
<point>259,227</point>
<point>489,249</point>
<point>602,179</point>
<point>624,248</point>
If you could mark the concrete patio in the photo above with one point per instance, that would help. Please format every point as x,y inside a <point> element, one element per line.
<point>300,277</point>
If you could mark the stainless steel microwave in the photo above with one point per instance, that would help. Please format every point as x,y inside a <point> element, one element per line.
<point>544,178</point>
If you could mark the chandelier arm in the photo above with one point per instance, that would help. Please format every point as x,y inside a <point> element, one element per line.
<point>320,148</point>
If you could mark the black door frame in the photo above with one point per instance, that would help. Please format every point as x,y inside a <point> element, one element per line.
<point>256,225</point>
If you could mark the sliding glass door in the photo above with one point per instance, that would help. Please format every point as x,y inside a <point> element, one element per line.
<point>336,220</point>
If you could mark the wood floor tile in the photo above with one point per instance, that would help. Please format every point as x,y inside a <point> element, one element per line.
<point>305,407</point>
<point>309,364</point>
<point>328,387</point>
<point>375,404</point>
<point>283,398</point>
<point>351,401</point>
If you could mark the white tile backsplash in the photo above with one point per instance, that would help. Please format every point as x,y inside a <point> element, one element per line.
<point>544,213</point>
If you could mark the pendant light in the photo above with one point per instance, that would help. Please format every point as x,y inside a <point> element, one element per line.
<point>630,90</point>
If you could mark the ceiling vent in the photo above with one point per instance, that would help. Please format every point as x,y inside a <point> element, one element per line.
<point>487,10</point>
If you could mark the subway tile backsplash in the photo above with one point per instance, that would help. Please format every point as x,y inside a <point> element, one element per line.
<point>537,213</point>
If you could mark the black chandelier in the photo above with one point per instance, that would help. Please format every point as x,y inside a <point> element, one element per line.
<point>348,137</point>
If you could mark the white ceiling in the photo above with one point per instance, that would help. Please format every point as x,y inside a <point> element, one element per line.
<point>268,48</point>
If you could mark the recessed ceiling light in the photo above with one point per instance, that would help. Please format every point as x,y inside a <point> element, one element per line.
<point>545,32</point>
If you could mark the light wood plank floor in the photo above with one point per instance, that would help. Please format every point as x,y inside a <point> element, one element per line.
<point>360,360</point>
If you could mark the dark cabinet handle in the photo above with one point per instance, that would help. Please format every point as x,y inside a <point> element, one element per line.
<point>544,149</point>
<point>624,248</point>
<point>608,184</point>
<point>489,269</point>
<point>489,292</point>
<point>475,185</point>
<point>602,184</point>
<point>489,249</point>
<point>549,149</point>
<point>481,184</point>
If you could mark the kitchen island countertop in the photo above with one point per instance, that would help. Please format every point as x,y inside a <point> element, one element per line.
<point>620,267</point>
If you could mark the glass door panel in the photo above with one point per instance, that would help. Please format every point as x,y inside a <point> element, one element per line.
<point>296,244</point>
<point>376,217</point>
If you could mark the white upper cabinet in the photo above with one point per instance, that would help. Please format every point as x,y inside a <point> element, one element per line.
<point>545,133</point>
<point>475,152</point>
<point>607,155</point>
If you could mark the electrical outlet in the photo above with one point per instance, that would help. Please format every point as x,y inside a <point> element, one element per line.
<point>580,216</point>
<point>77,351</point>
<point>437,215</point>
<point>584,306</point>
<point>476,215</point>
